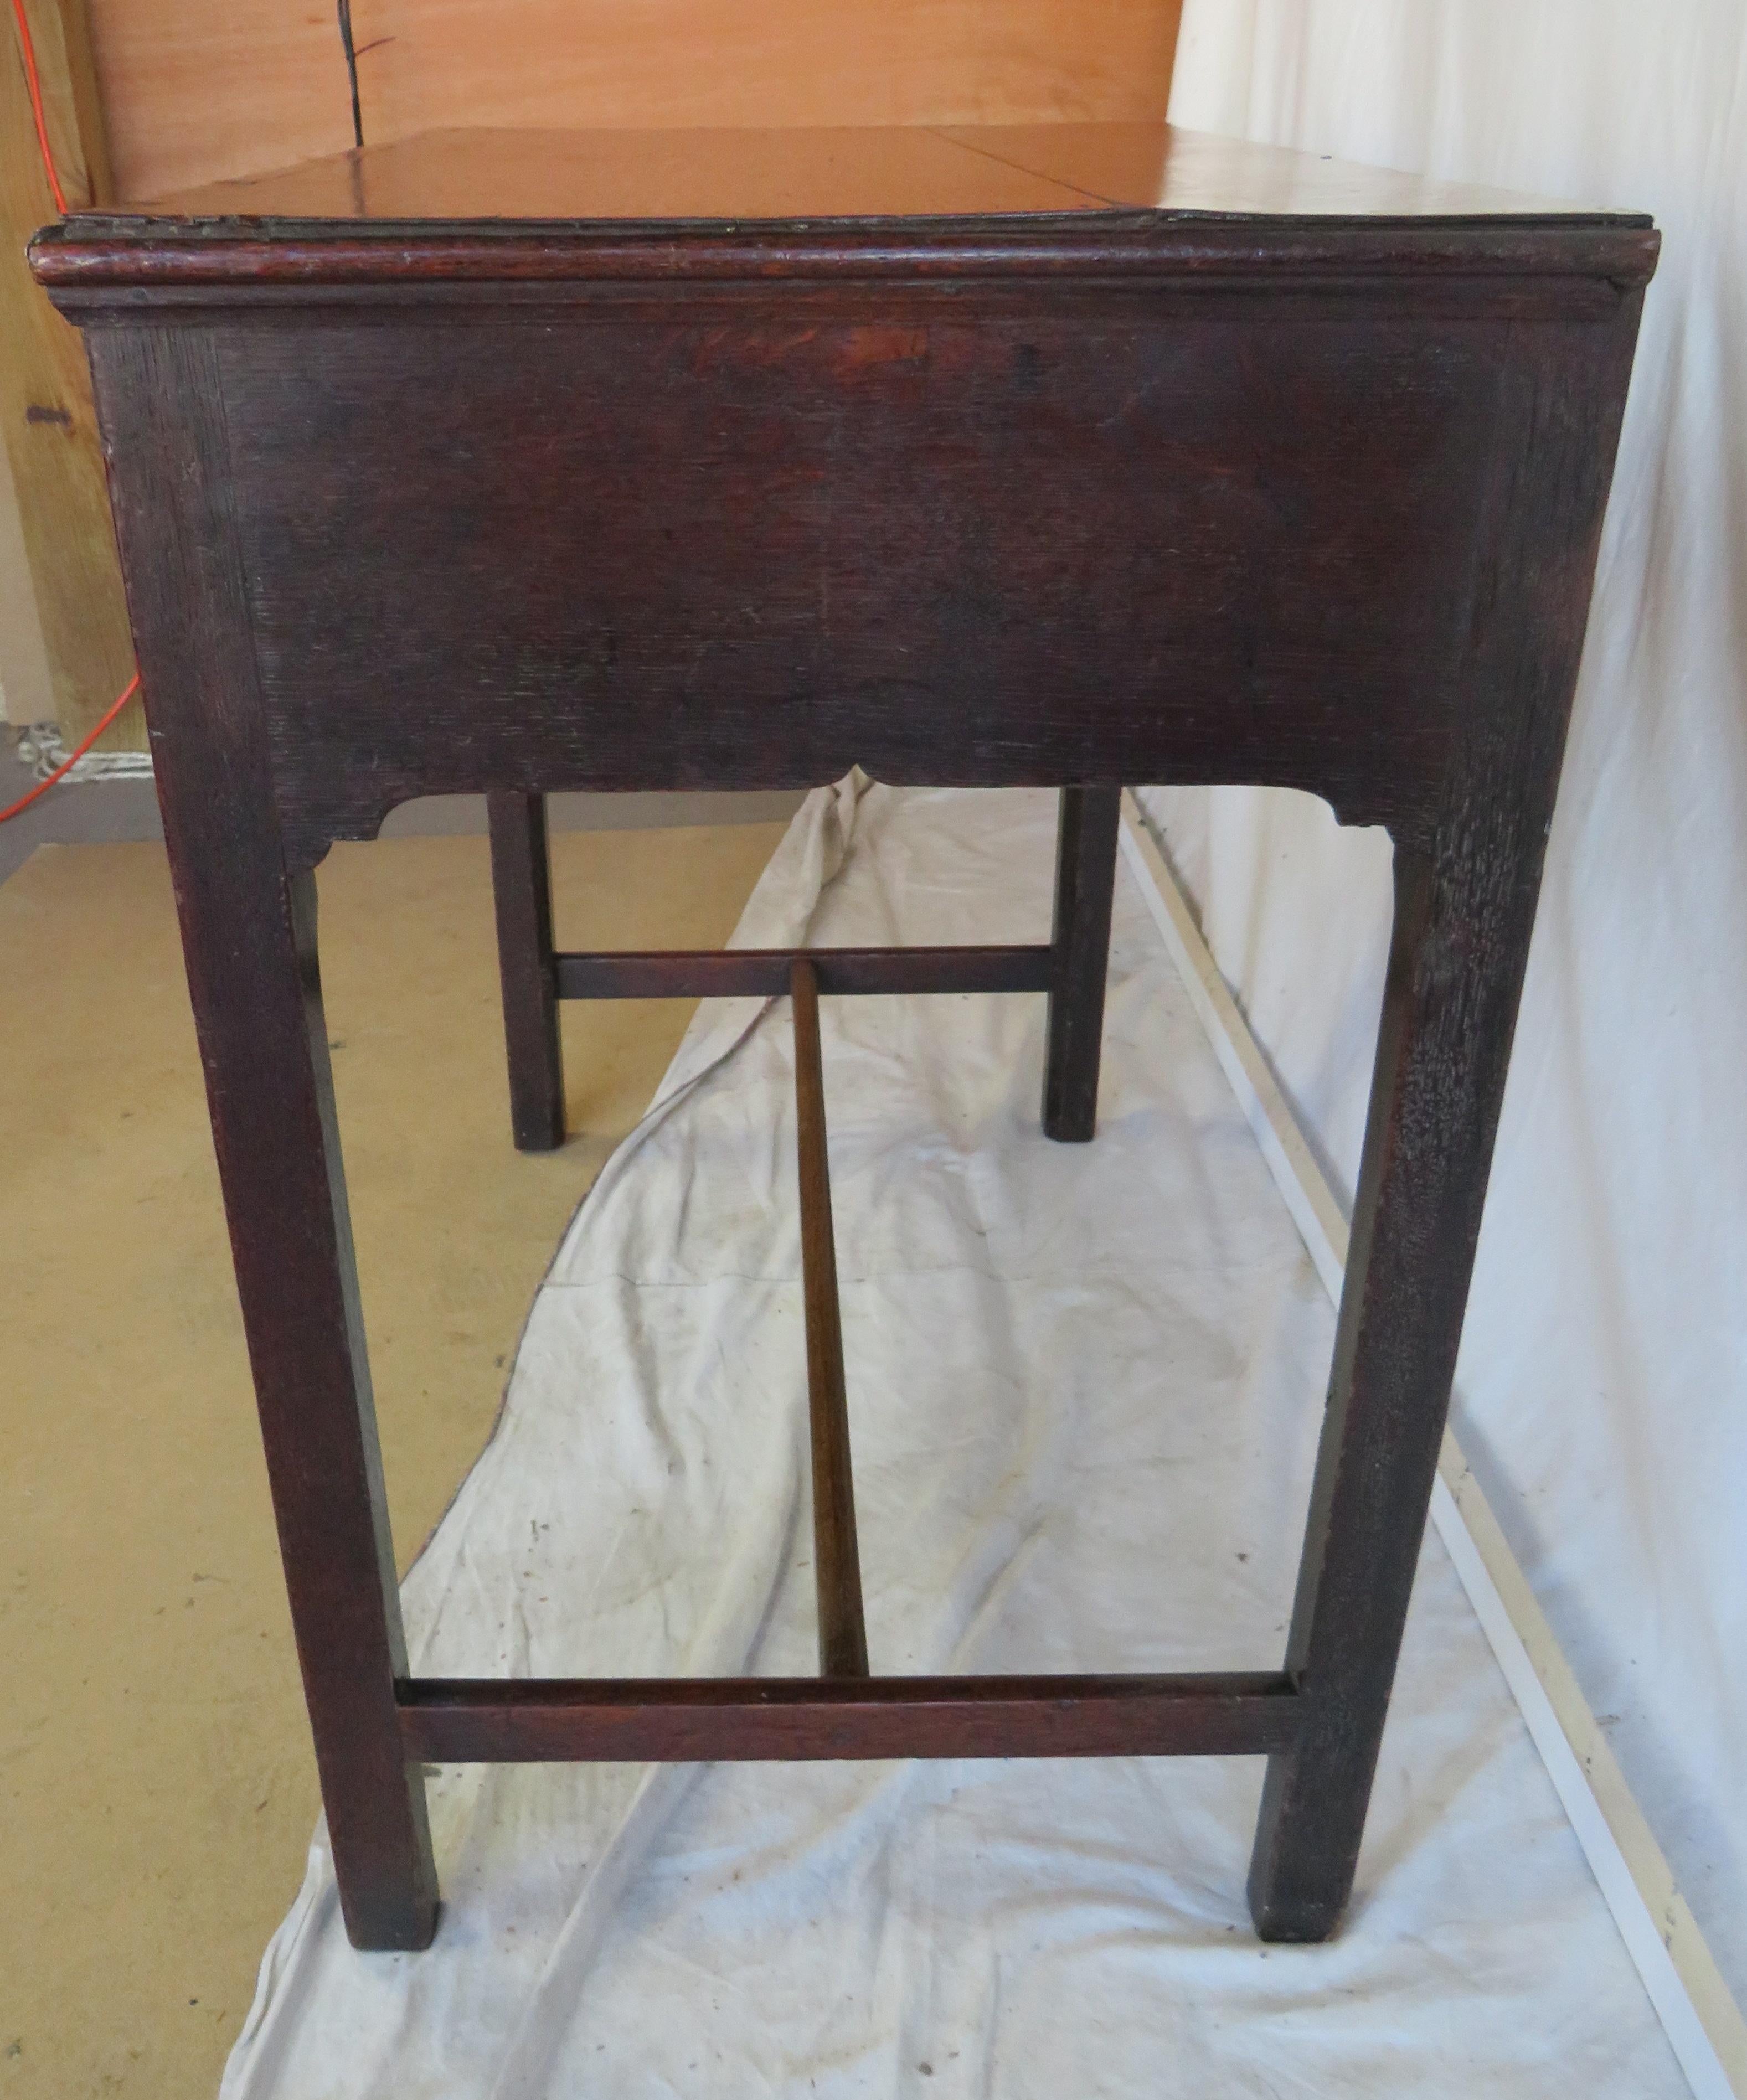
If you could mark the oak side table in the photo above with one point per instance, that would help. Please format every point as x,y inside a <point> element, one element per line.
<point>1074,455</point>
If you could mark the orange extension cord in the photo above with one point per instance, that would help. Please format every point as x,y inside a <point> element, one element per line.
<point>35,85</point>
<point>27,51</point>
<point>84,745</point>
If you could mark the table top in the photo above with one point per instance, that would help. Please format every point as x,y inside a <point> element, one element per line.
<point>1044,204</point>
<point>900,172</point>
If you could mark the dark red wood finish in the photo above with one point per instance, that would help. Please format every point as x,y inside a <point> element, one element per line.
<point>1465,908</point>
<point>765,972</point>
<point>710,599</point>
<point>248,932</point>
<point>1115,495</point>
<point>681,1718</point>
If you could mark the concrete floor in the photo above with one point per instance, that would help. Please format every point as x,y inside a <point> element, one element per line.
<point>155,1767</point>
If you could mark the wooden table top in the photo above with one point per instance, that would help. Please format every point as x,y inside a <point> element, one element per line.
<point>1043,204</point>
<point>898,172</point>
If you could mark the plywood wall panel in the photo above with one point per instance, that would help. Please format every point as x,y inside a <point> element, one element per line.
<point>215,89</point>
<point>47,426</point>
<point>197,90</point>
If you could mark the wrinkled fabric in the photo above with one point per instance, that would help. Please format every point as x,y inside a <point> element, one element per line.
<point>1599,1392</point>
<point>1084,1385</point>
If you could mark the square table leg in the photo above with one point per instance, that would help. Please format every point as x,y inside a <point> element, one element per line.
<point>1449,1005</point>
<point>1424,1166</point>
<point>522,891</point>
<point>1080,938</point>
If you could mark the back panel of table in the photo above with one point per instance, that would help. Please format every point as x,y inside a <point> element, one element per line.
<point>573,550</point>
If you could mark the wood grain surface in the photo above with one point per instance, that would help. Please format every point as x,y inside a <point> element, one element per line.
<point>1098,497</point>
<point>467,1720</point>
<point>248,931</point>
<point>1464,914</point>
<point>216,88</point>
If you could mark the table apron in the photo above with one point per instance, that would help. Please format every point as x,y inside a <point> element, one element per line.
<point>577,552</point>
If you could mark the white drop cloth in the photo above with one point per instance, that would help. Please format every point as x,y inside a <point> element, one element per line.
<point>1084,1386</point>
<point>1599,1395</point>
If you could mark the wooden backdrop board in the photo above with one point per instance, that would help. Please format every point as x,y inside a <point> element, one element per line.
<point>51,431</point>
<point>214,88</point>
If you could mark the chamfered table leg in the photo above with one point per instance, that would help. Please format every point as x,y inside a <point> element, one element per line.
<point>1395,1349</point>
<point>522,891</point>
<point>263,1039</point>
<point>1465,900</point>
<point>333,1529</point>
<point>1462,920</point>
<point>1449,1005</point>
<point>1080,938</point>
<point>249,938</point>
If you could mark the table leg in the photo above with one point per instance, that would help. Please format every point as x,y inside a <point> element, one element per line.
<point>265,1044</point>
<point>1449,1010</point>
<point>250,933</point>
<point>1085,882</point>
<point>249,938</point>
<point>521,889</point>
<point>1465,900</point>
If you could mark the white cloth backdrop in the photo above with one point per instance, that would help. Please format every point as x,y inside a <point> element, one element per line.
<point>1602,1385</point>
<point>1085,1384</point>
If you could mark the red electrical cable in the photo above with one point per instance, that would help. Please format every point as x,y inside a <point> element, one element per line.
<point>28,52</point>
<point>84,745</point>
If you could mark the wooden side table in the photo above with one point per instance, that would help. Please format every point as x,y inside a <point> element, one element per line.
<point>1073,456</point>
